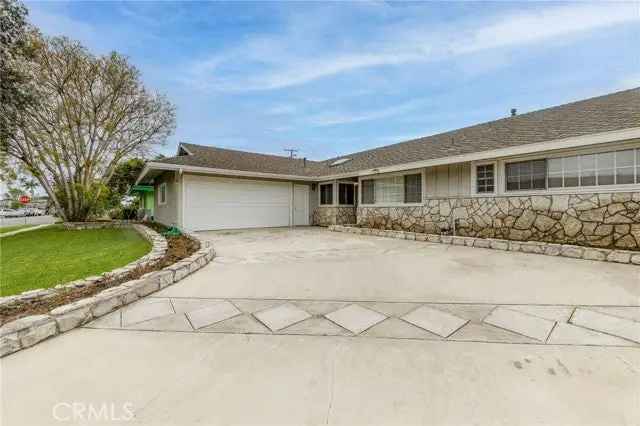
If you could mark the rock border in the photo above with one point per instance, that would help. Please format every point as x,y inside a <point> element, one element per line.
<point>118,223</point>
<point>28,331</point>
<point>536,247</point>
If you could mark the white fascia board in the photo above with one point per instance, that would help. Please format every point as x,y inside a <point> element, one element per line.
<point>143,173</point>
<point>225,172</point>
<point>557,144</point>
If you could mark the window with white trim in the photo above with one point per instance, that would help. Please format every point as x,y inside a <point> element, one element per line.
<point>326,194</point>
<point>526,175</point>
<point>401,189</point>
<point>485,179</point>
<point>162,193</point>
<point>368,191</point>
<point>346,194</point>
<point>413,188</point>
<point>605,168</point>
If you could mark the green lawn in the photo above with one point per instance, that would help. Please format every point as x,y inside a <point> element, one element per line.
<point>5,229</point>
<point>53,255</point>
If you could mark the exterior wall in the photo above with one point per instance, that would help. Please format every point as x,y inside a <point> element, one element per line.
<point>168,213</point>
<point>608,220</point>
<point>334,215</point>
<point>314,200</point>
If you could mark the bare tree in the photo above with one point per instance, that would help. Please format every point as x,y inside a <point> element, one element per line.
<point>91,113</point>
<point>17,42</point>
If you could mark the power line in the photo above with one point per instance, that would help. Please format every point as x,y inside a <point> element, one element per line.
<point>292,152</point>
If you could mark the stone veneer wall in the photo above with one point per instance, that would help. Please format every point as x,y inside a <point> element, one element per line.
<point>332,215</point>
<point>607,220</point>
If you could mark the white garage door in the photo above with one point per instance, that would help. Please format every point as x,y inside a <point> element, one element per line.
<point>221,203</point>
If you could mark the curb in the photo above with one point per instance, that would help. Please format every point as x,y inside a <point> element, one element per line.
<point>28,331</point>
<point>535,247</point>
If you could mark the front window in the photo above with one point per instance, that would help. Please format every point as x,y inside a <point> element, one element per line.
<point>388,190</point>
<point>526,175</point>
<point>485,179</point>
<point>326,194</point>
<point>401,189</point>
<point>606,168</point>
<point>367,191</point>
<point>346,194</point>
<point>413,188</point>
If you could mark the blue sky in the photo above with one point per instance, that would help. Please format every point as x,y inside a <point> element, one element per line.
<point>334,78</point>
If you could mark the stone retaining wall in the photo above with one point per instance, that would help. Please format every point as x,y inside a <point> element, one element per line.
<point>334,215</point>
<point>536,247</point>
<point>99,224</point>
<point>27,331</point>
<point>605,220</point>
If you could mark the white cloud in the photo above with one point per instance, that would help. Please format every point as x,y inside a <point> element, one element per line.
<point>336,118</point>
<point>53,20</point>
<point>263,63</point>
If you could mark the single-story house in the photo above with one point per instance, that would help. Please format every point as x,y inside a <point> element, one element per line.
<point>568,174</point>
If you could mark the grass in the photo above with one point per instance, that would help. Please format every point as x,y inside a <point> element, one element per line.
<point>11,228</point>
<point>53,255</point>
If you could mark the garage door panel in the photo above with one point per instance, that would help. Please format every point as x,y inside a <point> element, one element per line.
<point>217,203</point>
<point>234,217</point>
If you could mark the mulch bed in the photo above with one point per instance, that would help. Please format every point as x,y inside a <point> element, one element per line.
<point>178,248</point>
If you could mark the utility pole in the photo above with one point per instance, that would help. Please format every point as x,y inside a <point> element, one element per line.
<point>292,152</point>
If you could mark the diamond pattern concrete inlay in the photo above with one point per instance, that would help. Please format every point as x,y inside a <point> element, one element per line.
<point>567,334</point>
<point>212,314</point>
<point>473,332</point>
<point>181,305</point>
<point>438,322</point>
<point>355,318</point>
<point>174,322</point>
<point>552,313</point>
<point>521,323</point>
<point>281,316</point>
<point>244,324</point>
<point>628,312</point>
<point>621,327</point>
<point>396,328</point>
<point>316,327</point>
<point>145,310</point>
<point>474,322</point>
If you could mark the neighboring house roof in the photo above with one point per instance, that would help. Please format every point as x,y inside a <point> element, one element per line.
<point>615,111</point>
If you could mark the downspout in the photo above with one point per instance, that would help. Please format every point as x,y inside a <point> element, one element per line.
<point>292,216</point>
<point>182,201</point>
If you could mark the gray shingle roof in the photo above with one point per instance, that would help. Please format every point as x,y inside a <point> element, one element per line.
<point>229,159</point>
<point>614,111</point>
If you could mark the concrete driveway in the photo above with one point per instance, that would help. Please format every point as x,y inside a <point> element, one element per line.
<point>310,327</point>
<point>313,263</point>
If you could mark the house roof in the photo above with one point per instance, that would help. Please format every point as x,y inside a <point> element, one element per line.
<point>229,159</point>
<point>615,111</point>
